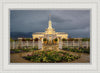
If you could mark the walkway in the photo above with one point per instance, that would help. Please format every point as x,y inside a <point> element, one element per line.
<point>17,58</point>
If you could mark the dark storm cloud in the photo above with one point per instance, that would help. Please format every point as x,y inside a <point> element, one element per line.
<point>74,22</point>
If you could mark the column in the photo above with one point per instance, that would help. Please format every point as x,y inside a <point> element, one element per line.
<point>67,43</point>
<point>60,43</point>
<point>42,43</point>
<point>33,43</point>
<point>73,44</point>
<point>39,44</point>
<point>42,40</point>
<point>87,44</point>
<point>16,44</point>
<point>58,40</point>
<point>13,45</point>
<point>27,43</point>
<point>22,44</point>
<point>78,43</point>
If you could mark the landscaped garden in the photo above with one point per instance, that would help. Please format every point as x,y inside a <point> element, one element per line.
<point>51,57</point>
<point>78,50</point>
<point>25,49</point>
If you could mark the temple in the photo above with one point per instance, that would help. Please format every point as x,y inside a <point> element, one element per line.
<point>50,34</point>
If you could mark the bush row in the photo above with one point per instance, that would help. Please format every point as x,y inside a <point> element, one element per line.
<point>78,50</point>
<point>22,50</point>
<point>50,57</point>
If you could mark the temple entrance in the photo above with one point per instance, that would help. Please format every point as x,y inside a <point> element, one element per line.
<point>51,47</point>
<point>50,43</point>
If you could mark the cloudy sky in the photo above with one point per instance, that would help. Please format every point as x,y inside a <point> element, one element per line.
<point>74,22</point>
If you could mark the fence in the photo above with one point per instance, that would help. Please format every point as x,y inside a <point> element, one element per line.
<point>31,44</point>
<point>22,44</point>
<point>85,44</point>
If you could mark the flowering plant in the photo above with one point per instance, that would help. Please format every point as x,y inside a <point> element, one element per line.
<point>51,57</point>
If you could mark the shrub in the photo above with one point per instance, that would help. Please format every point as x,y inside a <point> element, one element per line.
<point>50,56</point>
<point>86,39</point>
<point>36,39</point>
<point>15,51</point>
<point>71,39</point>
<point>80,50</point>
<point>44,39</point>
<point>11,40</point>
<point>64,39</point>
<point>25,49</point>
<point>56,39</point>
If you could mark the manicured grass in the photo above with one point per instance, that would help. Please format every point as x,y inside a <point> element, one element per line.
<point>78,50</point>
<point>51,57</point>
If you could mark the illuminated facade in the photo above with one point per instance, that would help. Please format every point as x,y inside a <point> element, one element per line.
<point>50,34</point>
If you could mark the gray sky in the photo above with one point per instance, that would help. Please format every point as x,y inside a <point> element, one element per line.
<point>74,22</point>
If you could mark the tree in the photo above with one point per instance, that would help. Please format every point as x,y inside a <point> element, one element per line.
<point>64,39</point>
<point>56,39</point>
<point>76,39</point>
<point>28,39</point>
<point>11,40</point>
<point>36,39</point>
<point>71,39</point>
<point>86,39</point>
<point>44,39</point>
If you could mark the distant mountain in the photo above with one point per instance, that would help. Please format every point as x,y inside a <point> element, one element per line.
<point>15,35</point>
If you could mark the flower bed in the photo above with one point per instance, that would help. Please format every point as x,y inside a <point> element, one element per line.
<point>78,50</point>
<point>50,57</point>
<point>22,50</point>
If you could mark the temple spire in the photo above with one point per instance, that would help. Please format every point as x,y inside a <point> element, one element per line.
<point>49,23</point>
<point>49,16</point>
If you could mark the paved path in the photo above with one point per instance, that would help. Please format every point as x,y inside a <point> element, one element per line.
<point>84,57</point>
<point>17,58</point>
